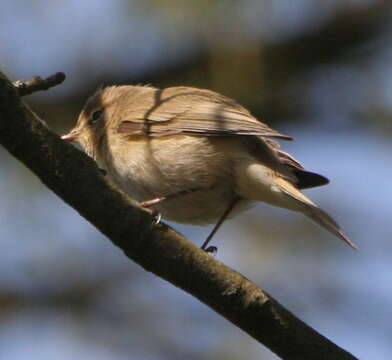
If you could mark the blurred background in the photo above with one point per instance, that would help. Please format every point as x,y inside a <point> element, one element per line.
<point>317,70</point>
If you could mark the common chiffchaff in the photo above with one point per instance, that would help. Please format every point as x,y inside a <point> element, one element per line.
<point>193,155</point>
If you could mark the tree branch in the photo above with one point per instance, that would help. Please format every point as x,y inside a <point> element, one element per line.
<point>76,179</point>
<point>36,83</point>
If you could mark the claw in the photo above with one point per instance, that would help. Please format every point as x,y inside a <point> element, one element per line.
<point>157,217</point>
<point>213,250</point>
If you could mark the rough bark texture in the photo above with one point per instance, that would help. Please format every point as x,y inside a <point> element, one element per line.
<point>75,178</point>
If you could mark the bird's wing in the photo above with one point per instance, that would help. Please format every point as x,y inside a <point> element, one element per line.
<point>191,111</point>
<point>304,179</point>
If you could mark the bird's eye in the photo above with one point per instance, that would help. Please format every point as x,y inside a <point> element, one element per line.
<point>95,117</point>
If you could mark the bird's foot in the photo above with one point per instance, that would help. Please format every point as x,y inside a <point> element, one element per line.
<point>213,250</point>
<point>156,215</point>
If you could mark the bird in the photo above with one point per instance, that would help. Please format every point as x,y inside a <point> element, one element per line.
<point>193,155</point>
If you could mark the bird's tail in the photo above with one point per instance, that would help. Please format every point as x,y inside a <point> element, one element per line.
<point>310,209</point>
<point>323,219</point>
<point>258,182</point>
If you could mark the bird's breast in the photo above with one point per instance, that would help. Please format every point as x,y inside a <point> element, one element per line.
<point>192,173</point>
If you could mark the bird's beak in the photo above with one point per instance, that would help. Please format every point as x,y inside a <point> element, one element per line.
<point>71,136</point>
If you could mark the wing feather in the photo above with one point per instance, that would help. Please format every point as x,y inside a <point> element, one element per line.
<point>191,111</point>
<point>305,179</point>
<point>194,112</point>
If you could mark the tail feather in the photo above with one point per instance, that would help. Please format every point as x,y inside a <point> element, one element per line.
<point>323,219</point>
<point>310,209</point>
<point>258,182</point>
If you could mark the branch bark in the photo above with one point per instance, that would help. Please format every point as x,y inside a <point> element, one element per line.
<point>36,83</point>
<point>76,179</point>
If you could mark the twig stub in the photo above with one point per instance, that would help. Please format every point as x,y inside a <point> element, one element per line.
<point>36,83</point>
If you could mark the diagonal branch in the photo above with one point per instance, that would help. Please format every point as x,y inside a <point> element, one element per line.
<point>76,179</point>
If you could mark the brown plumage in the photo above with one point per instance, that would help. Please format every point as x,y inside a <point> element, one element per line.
<point>196,152</point>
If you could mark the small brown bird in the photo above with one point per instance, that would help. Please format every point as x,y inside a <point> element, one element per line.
<point>193,155</point>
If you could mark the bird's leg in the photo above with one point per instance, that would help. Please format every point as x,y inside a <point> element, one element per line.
<point>213,249</point>
<point>158,200</point>
<point>155,214</point>
<point>148,203</point>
